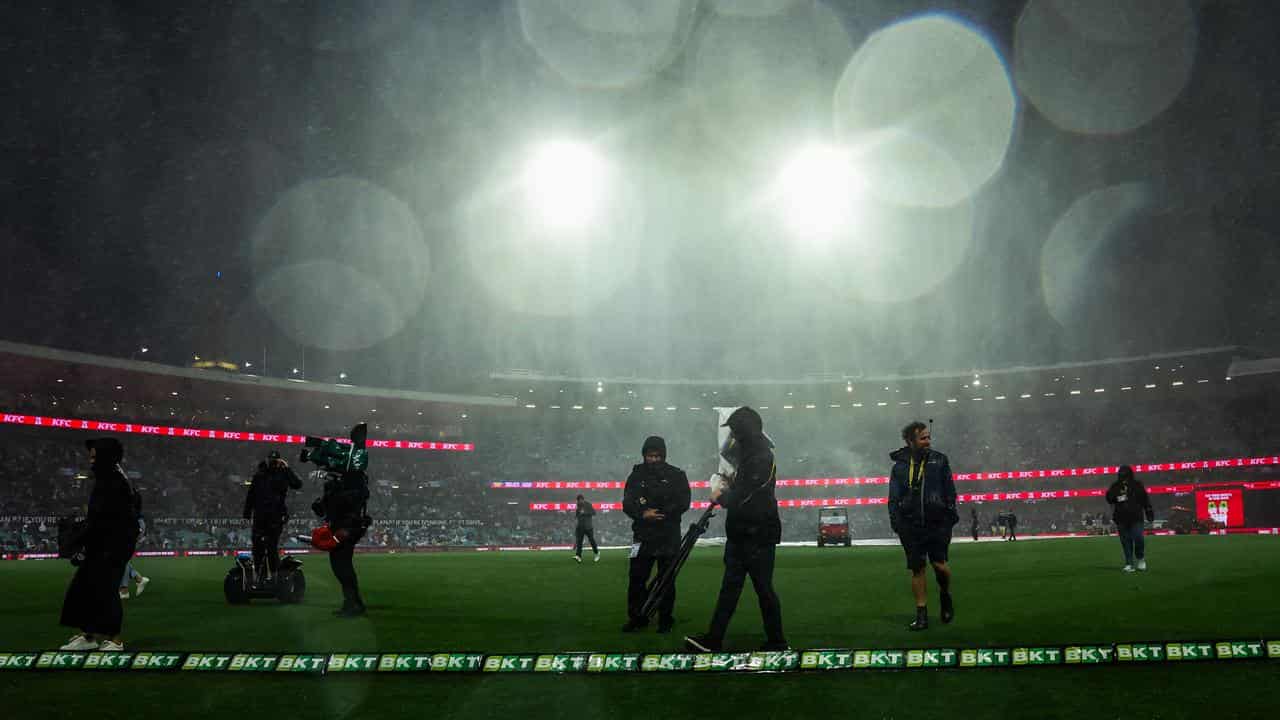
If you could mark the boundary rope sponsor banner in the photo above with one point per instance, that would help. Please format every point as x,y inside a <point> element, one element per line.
<point>575,663</point>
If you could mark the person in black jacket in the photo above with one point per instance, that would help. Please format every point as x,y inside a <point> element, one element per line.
<point>922,511</point>
<point>109,537</point>
<point>753,531</point>
<point>343,507</point>
<point>584,529</point>
<point>973,517</point>
<point>265,505</point>
<point>1130,505</point>
<point>655,497</point>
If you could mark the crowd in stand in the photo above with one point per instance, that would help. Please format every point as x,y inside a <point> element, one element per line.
<point>193,490</point>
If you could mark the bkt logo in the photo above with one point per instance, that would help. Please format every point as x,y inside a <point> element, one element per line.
<point>1188,651</point>
<point>1089,655</point>
<point>1139,653</point>
<point>613,663</point>
<point>1239,650</point>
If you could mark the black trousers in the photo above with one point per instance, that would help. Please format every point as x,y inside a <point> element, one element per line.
<point>641,566</point>
<point>340,562</point>
<point>743,560</point>
<point>581,533</point>
<point>92,603</point>
<point>266,544</point>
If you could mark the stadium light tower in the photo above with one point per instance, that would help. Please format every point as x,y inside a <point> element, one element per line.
<point>563,182</point>
<point>817,189</point>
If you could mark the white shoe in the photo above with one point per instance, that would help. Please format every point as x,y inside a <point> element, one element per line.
<point>578,558</point>
<point>597,558</point>
<point>124,593</point>
<point>142,585</point>
<point>111,646</point>
<point>1127,568</point>
<point>80,642</point>
<point>1142,564</point>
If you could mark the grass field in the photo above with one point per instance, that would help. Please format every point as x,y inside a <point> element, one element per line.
<point>1027,593</point>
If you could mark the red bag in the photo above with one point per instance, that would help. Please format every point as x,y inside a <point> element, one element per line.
<point>322,539</point>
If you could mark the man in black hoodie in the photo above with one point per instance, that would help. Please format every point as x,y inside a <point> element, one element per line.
<point>110,536</point>
<point>753,531</point>
<point>656,495</point>
<point>922,511</point>
<point>584,529</point>
<point>1130,504</point>
<point>266,506</point>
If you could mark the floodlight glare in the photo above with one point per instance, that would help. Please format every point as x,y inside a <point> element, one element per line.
<point>563,181</point>
<point>817,188</point>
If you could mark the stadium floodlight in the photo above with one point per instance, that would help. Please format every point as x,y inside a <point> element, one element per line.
<point>817,189</point>
<point>563,181</point>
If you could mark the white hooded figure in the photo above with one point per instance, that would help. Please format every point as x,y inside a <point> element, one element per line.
<point>729,457</point>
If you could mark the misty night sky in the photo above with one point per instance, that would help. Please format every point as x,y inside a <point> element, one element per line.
<point>330,183</point>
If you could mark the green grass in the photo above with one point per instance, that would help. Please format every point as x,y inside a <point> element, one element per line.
<point>1026,593</point>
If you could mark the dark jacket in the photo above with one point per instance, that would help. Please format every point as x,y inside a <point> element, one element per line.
<point>344,501</point>
<point>660,487</point>
<point>750,503</point>
<point>931,502</point>
<point>1129,501</point>
<point>584,512</point>
<point>265,502</point>
<point>111,525</point>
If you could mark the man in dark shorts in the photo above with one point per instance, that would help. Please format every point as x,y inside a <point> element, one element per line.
<point>922,511</point>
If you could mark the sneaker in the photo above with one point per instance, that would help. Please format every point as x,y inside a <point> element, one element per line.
<point>124,593</point>
<point>1127,568</point>
<point>701,643</point>
<point>578,558</point>
<point>948,609</point>
<point>80,642</point>
<point>1142,564</point>
<point>921,622</point>
<point>142,585</point>
<point>634,624</point>
<point>597,558</point>
<point>664,626</point>
<point>111,646</point>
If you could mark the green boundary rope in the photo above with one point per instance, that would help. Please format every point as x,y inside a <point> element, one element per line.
<point>817,660</point>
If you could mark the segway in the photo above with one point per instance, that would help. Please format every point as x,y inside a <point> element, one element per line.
<point>243,583</point>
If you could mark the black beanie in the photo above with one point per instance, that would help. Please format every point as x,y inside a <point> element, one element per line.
<point>654,443</point>
<point>1126,472</point>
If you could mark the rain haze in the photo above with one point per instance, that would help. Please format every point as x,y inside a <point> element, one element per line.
<point>502,316</point>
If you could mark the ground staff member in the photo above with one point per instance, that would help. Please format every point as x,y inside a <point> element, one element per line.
<point>922,511</point>
<point>754,531</point>
<point>655,497</point>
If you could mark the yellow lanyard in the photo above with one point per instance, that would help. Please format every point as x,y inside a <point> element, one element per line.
<point>912,479</point>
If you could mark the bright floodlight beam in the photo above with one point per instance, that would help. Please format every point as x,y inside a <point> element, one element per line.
<point>563,182</point>
<point>816,189</point>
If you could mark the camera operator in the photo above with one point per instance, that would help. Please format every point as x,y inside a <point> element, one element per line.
<point>655,497</point>
<point>104,545</point>
<point>753,531</point>
<point>265,505</point>
<point>343,507</point>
